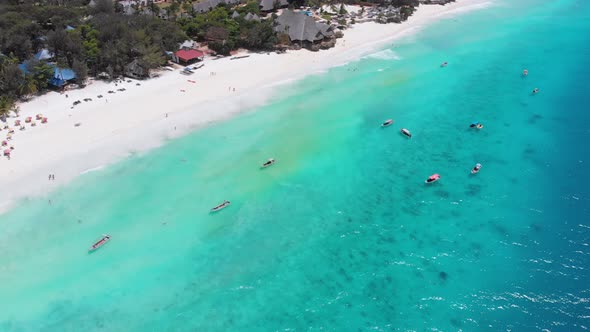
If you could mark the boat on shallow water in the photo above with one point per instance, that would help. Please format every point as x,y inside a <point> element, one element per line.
<point>268,163</point>
<point>105,238</point>
<point>387,123</point>
<point>406,132</point>
<point>476,125</point>
<point>444,64</point>
<point>476,169</point>
<point>221,206</point>
<point>432,178</point>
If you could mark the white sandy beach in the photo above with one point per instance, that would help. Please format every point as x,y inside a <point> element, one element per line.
<point>146,116</point>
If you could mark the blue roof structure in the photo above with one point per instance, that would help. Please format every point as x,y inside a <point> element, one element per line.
<point>23,67</point>
<point>44,54</point>
<point>70,28</point>
<point>61,76</point>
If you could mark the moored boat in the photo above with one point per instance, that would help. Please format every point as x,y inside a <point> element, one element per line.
<point>476,169</point>
<point>387,123</point>
<point>476,125</point>
<point>432,178</point>
<point>105,238</point>
<point>444,64</point>
<point>268,163</point>
<point>221,206</point>
<point>406,132</point>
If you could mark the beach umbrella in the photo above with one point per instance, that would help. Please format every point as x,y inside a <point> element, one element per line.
<point>17,123</point>
<point>28,119</point>
<point>7,152</point>
<point>39,116</point>
<point>44,120</point>
<point>4,143</point>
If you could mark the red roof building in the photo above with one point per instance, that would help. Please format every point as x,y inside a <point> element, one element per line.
<point>188,56</point>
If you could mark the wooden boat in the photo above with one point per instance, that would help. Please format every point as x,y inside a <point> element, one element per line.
<point>476,169</point>
<point>387,123</point>
<point>270,162</point>
<point>476,125</point>
<point>432,178</point>
<point>221,206</point>
<point>239,57</point>
<point>406,132</point>
<point>105,238</point>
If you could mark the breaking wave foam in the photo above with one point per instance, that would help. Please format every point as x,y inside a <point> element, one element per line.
<point>384,55</point>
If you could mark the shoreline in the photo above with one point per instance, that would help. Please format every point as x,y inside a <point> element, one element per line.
<point>147,116</point>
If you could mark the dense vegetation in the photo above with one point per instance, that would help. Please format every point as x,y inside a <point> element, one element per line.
<point>225,33</point>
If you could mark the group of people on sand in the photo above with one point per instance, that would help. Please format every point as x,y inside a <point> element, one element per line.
<point>8,148</point>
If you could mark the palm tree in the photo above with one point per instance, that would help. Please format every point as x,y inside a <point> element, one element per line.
<point>7,106</point>
<point>29,87</point>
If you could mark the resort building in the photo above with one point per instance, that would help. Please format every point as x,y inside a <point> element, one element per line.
<point>187,56</point>
<point>302,29</point>
<point>208,5</point>
<point>61,77</point>
<point>135,70</point>
<point>270,5</point>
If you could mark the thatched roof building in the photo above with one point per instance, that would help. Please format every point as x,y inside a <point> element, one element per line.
<point>252,17</point>
<point>301,27</point>
<point>208,5</point>
<point>135,70</point>
<point>270,5</point>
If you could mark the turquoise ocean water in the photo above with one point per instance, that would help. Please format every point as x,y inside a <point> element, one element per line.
<point>342,234</point>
